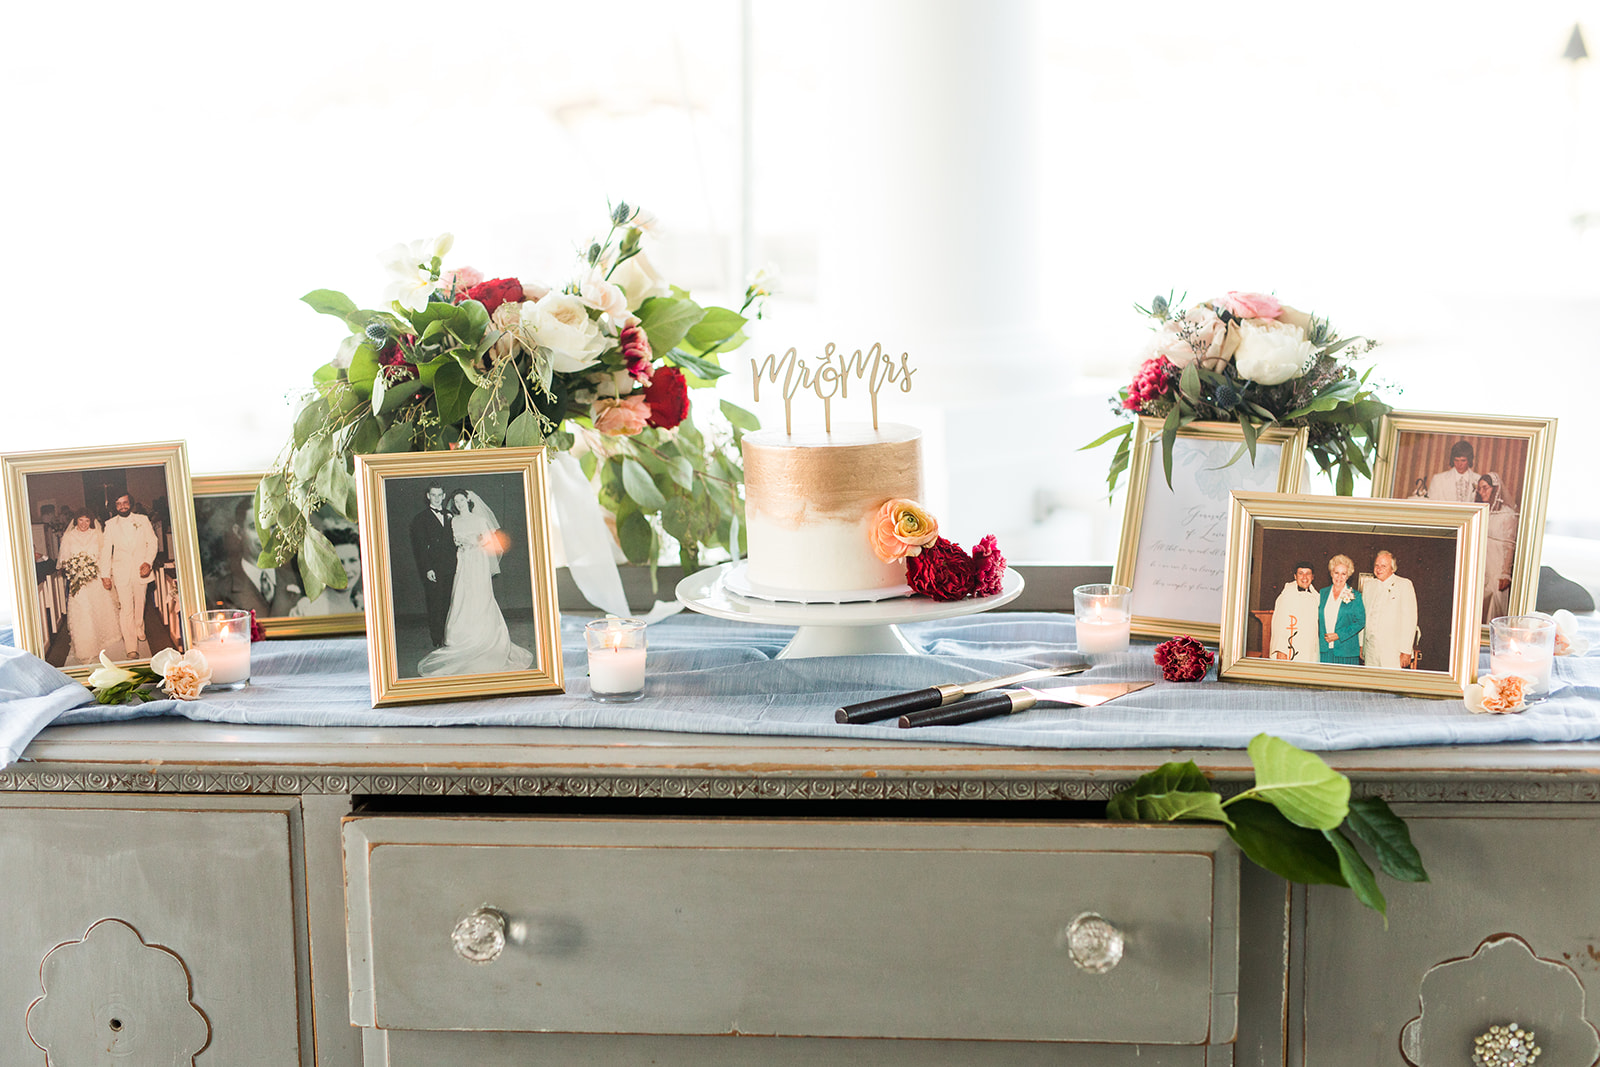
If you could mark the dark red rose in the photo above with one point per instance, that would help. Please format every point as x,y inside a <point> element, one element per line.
<point>941,571</point>
<point>668,397</point>
<point>494,292</point>
<point>989,567</point>
<point>634,344</point>
<point>1183,659</point>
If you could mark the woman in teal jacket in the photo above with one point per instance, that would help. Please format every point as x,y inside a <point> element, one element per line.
<point>1341,638</point>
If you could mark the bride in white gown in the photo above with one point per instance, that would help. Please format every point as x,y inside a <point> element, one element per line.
<point>91,607</point>
<point>476,640</point>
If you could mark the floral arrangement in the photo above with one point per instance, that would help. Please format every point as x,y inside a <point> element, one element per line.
<point>937,568</point>
<point>1297,819</point>
<point>181,676</point>
<point>600,367</point>
<point>1246,358</point>
<point>1183,659</point>
<point>80,569</point>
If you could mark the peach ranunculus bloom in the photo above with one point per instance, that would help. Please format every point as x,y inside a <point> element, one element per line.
<point>1198,335</point>
<point>1250,305</point>
<point>1495,696</point>
<point>621,418</point>
<point>901,528</point>
<point>182,676</point>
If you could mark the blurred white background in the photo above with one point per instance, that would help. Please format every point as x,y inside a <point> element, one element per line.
<point>987,184</point>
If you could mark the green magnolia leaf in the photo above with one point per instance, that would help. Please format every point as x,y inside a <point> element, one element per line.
<point>1278,845</point>
<point>636,480</point>
<point>1298,783</point>
<point>396,396</point>
<point>1389,837</point>
<point>330,302</point>
<point>741,419</point>
<point>524,431</point>
<point>1357,875</point>
<point>636,536</point>
<point>312,417</point>
<point>396,438</point>
<point>363,370</point>
<point>667,320</point>
<point>715,331</point>
<point>319,564</point>
<point>452,391</point>
<point>702,370</point>
<point>309,458</point>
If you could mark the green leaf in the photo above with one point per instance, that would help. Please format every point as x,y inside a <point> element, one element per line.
<point>312,418</point>
<point>1123,432</point>
<point>452,391</point>
<point>1248,428</point>
<point>396,438</point>
<point>1298,783</point>
<point>702,370</point>
<point>1390,839</point>
<point>636,536</point>
<point>334,483</point>
<point>396,395</point>
<point>363,370</point>
<point>682,472</point>
<point>319,563</point>
<point>1169,436</point>
<point>1170,792</point>
<point>667,320</point>
<point>1278,845</point>
<point>1189,381</point>
<point>741,419</point>
<point>1357,875</point>
<point>271,494</point>
<point>524,431</point>
<point>330,302</point>
<point>309,458</point>
<point>636,480</point>
<point>364,435</point>
<point>715,330</point>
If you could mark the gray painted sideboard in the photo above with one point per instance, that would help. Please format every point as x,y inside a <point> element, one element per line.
<point>279,895</point>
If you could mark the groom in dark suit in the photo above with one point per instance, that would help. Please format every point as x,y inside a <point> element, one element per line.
<point>434,546</point>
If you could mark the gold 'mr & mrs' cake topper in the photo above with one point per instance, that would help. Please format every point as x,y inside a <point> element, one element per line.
<point>828,379</point>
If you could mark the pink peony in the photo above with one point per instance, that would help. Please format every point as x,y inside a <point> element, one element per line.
<point>1250,305</point>
<point>621,418</point>
<point>1153,381</point>
<point>991,567</point>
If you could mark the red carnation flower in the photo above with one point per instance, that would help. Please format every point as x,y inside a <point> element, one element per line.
<point>668,397</point>
<point>634,344</point>
<point>942,571</point>
<point>256,632</point>
<point>1153,381</point>
<point>989,567</point>
<point>1183,659</point>
<point>494,292</point>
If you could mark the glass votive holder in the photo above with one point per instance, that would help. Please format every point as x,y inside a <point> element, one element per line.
<point>1103,615</point>
<point>1524,645</point>
<point>223,637</point>
<point>616,659</point>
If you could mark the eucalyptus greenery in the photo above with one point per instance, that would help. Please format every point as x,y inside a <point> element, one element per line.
<point>436,371</point>
<point>1297,820</point>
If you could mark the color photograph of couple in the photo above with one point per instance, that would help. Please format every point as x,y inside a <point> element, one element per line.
<point>459,584</point>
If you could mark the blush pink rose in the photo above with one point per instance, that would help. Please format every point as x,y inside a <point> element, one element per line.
<point>621,418</point>
<point>1250,305</point>
<point>458,281</point>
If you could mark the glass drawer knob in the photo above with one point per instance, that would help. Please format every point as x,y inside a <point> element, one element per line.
<point>1094,944</point>
<point>481,936</point>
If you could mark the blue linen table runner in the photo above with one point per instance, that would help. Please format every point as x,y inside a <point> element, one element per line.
<point>714,676</point>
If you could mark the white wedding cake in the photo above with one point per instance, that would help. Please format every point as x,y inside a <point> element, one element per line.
<point>810,502</point>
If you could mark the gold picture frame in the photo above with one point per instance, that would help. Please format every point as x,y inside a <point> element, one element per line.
<point>1415,451</point>
<point>1173,551</point>
<point>1436,556</point>
<point>281,609</point>
<point>43,490</point>
<point>431,652</point>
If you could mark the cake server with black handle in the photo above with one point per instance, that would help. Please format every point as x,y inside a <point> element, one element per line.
<point>940,695</point>
<point>1011,701</point>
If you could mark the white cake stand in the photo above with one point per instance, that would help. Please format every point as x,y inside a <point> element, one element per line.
<point>834,629</point>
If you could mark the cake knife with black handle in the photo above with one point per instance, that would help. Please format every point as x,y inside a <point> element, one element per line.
<point>1011,701</point>
<point>940,695</point>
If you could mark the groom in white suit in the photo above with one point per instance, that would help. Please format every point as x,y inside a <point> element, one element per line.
<point>127,551</point>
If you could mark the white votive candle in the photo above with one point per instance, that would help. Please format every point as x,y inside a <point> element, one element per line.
<point>1524,645</point>
<point>1531,664</point>
<point>1103,632</point>
<point>229,658</point>
<point>616,659</point>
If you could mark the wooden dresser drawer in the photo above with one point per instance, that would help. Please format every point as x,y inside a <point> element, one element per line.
<point>814,928</point>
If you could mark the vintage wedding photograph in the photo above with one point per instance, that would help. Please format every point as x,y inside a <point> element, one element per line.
<point>230,550</point>
<point>1501,462</point>
<point>461,590</point>
<point>102,551</point>
<point>1363,594</point>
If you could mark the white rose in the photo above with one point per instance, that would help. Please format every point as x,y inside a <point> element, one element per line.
<point>1271,353</point>
<point>639,280</point>
<point>560,323</point>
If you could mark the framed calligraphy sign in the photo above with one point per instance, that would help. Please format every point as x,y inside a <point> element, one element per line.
<point>1174,549</point>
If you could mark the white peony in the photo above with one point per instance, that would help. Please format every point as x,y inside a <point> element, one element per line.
<point>1272,352</point>
<point>560,324</point>
<point>639,280</point>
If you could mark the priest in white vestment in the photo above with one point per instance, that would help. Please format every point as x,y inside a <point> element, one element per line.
<point>1294,618</point>
<point>1391,604</point>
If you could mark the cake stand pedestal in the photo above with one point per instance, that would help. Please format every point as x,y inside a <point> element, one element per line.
<point>834,629</point>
